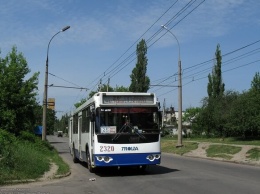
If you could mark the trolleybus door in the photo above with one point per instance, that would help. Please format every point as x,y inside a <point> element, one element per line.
<point>79,135</point>
<point>91,134</point>
<point>71,130</point>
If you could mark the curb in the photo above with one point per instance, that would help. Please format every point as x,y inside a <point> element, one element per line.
<point>36,180</point>
<point>223,160</point>
<point>58,176</point>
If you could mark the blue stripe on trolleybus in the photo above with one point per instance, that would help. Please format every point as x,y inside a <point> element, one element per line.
<point>127,159</point>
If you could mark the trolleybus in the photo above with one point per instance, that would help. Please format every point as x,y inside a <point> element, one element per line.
<point>116,129</point>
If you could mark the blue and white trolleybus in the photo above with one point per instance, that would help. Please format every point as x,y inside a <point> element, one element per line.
<point>116,129</point>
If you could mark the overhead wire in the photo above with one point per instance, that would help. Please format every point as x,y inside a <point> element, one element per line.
<point>117,69</point>
<point>128,60</point>
<point>223,71</point>
<point>208,69</point>
<point>64,79</point>
<point>204,77</point>
<point>157,32</point>
<point>110,73</point>
<point>227,62</point>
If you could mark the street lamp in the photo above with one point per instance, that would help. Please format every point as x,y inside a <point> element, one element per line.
<point>45,95</point>
<point>179,144</point>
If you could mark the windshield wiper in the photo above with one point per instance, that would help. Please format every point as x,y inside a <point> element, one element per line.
<point>139,134</point>
<point>120,131</point>
<point>125,126</point>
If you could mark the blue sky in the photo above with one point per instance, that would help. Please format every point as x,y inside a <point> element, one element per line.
<point>102,39</point>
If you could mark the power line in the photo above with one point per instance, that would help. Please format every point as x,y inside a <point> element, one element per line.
<point>254,51</point>
<point>117,69</point>
<point>228,62</point>
<point>228,70</point>
<point>63,79</point>
<point>128,59</point>
<point>114,69</point>
<point>232,60</point>
<point>229,53</point>
<point>68,87</point>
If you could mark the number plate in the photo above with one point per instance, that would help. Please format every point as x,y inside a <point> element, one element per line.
<point>108,129</point>
<point>107,148</point>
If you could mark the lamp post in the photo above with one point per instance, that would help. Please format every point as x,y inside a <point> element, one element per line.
<point>45,95</point>
<point>179,144</point>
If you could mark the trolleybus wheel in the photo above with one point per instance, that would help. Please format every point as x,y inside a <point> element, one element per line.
<point>90,168</point>
<point>74,158</point>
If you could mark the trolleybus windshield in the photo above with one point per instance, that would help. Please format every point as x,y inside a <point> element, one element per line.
<point>127,120</point>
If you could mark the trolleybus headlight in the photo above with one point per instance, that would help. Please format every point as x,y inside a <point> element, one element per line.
<point>105,159</point>
<point>150,157</point>
<point>153,157</point>
<point>99,158</point>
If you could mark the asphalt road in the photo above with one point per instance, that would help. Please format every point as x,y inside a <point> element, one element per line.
<point>176,174</point>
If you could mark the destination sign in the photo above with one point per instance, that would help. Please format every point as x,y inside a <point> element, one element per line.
<point>128,99</point>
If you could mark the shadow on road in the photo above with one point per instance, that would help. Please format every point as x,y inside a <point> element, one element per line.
<point>64,152</point>
<point>56,142</point>
<point>130,171</point>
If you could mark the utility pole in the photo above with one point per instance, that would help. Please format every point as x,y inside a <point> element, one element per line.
<point>99,85</point>
<point>163,113</point>
<point>45,95</point>
<point>108,84</point>
<point>179,144</point>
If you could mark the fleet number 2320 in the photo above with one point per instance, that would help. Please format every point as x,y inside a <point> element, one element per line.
<point>107,148</point>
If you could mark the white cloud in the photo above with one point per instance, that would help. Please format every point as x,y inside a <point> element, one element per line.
<point>127,19</point>
<point>217,18</point>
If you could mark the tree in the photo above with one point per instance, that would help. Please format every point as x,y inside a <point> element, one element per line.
<point>255,84</point>
<point>215,86</point>
<point>246,111</point>
<point>215,90</point>
<point>17,94</point>
<point>139,81</point>
<point>121,89</point>
<point>82,101</point>
<point>51,118</point>
<point>204,121</point>
<point>62,124</point>
<point>191,113</point>
<point>245,115</point>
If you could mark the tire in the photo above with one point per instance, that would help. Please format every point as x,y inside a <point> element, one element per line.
<point>74,158</point>
<point>90,168</point>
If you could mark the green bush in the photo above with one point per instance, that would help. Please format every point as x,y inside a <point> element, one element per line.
<point>31,140</point>
<point>27,136</point>
<point>23,163</point>
<point>165,132</point>
<point>24,157</point>
<point>6,140</point>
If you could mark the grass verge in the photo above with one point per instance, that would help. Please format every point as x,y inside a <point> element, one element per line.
<point>254,154</point>
<point>26,157</point>
<point>222,151</point>
<point>169,146</point>
<point>229,140</point>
